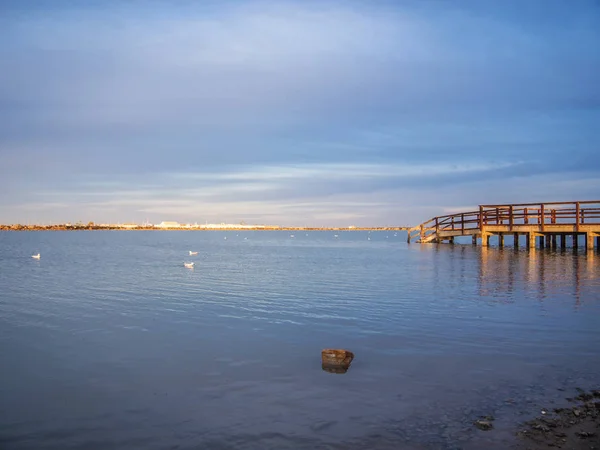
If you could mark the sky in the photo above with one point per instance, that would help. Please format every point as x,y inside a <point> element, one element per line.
<point>320,113</point>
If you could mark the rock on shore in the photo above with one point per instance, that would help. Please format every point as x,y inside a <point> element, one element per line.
<point>575,427</point>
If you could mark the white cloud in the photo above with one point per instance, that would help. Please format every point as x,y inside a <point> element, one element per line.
<point>316,193</point>
<point>342,171</point>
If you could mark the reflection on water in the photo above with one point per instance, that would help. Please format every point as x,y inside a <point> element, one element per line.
<point>501,271</point>
<point>334,369</point>
<point>124,347</point>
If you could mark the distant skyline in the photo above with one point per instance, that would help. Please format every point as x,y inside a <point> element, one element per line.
<point>322,113</point>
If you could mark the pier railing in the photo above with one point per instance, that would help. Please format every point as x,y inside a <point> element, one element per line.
<point>513,216</point>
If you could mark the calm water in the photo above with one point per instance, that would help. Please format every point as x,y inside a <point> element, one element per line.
<point>109,342</point>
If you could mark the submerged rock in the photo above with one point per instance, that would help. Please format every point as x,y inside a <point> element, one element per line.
<point>334,369</point>
<point>484,424</point>
<point>336,360</point>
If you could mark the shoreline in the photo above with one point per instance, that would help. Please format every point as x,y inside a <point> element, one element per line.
<point>142,228</point>
<point>571,427</point>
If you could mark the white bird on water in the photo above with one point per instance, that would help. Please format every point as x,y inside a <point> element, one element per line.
<point>193,253</point>
<point>189,265</point>
<point>36,256</point>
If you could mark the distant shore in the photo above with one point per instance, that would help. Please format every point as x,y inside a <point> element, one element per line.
<point>19,227</point>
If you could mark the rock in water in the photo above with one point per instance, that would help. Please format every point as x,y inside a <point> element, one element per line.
<point>336,360</point>
<point>331,369</point>
<point>484,425</point>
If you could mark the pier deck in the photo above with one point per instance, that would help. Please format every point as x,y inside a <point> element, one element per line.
<point>551,224</point>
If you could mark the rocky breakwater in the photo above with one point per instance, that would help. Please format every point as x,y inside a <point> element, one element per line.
<point>336,360</point>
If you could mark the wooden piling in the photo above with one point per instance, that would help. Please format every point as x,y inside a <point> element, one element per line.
<point>485,239</point>
<point>530,240</point>
<point>589,241</point>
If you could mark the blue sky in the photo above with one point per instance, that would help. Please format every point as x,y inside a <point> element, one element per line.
<point>295,113</point>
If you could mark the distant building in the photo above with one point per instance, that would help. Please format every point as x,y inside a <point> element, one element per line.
<point>128,226</point>
<point>229,226</point>
<point>168,225</point>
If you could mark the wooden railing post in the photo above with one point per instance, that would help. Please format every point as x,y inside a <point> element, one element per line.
<point>525,216</point>
<point>577,211</point>
<point>553,216</point>
<point>510,217</point>
<point>452,223</point>
<point>481,217</point>
<point>462,223</point>
<point>437,227</point>
<point>542,216</point>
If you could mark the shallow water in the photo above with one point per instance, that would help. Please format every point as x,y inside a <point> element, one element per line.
<point>108,341</point>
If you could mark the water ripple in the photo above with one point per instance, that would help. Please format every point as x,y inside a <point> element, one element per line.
<point>110,342</point>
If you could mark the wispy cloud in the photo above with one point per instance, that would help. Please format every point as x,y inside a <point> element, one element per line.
<point>289,110</point>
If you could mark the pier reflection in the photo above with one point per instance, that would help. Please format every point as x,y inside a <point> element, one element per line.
<point>540,273</point>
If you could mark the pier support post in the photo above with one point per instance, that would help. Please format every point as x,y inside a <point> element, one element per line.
<point>541,241</point>
<point>485,239</point>
<point>575,243</point>
<point>563,241</point>
<point>500,240</point>
<point>451,240</point>
<point>598,242</point>
<point>474,239</point>
<point>516,240</point>
<point>589,240</point>
<point>530,240</point>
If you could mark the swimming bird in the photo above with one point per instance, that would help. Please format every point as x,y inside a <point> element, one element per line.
<point>189,265</point>
<point>36,256</point>
<point>193,253</point>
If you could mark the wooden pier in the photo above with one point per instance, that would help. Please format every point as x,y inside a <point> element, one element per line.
<point>548,225</point>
